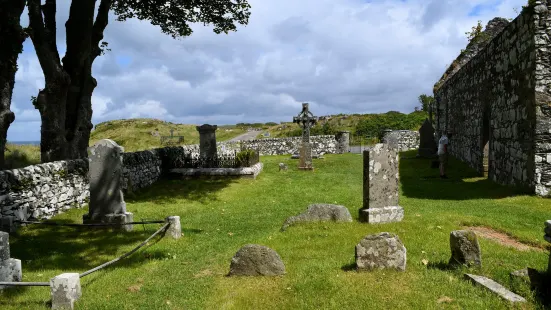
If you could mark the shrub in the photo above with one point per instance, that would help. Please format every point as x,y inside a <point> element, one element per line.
<point>245,158</point>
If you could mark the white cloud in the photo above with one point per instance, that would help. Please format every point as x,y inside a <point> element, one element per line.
<point>348,56</point>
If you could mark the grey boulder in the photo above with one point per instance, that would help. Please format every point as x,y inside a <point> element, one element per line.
<point>380,251</point>
<point>320,212</point>
<point>256,260</point>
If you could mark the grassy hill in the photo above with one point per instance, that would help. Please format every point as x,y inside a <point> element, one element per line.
<point>365,125</point>
<point>145,133</point>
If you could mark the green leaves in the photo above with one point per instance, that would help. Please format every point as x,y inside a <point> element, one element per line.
<point>174,17</point>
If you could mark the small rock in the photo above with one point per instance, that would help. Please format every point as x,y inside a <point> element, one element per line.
<point>380,251</point>
<point>320,212</point>
<point>547,229</point>
<point>465,248</point>
<point>282,166</point>
<point>256,260</point>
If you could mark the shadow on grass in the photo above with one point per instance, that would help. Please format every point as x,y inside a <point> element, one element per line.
<point>349,267</point>
<point>540,284</point>
<point>167,191</point>
<point>419,180</point>
<point>76,248</point>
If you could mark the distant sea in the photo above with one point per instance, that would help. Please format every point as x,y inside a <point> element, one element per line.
<point>24,142</point>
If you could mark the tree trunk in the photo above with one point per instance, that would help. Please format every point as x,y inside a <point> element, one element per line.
<point>65,104</point>
<point>13,37</point>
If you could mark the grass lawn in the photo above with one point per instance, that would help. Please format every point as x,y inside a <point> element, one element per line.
<point>218,217</point>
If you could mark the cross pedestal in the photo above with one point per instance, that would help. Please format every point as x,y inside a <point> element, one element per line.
<point>306,120</point>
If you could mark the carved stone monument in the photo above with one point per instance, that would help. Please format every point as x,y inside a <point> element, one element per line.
<point>105,173</point>
<point>10,268</point>
<point>427,143</point>
<point>207,143</point>
<point>306,120</point>
<point>380,186</point>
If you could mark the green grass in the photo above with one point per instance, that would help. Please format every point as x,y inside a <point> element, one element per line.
<point>136,134</point>
<point>19,156</point>
<point>218,217</point>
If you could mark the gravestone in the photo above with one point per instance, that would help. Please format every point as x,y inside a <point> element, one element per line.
<point>380,186</point>
<point>465,248</point>
<point>207,144</point>
<point>380,251</point>
<point>10,268</point>
<point>256,260</point>
<point>306,120</point>
<point>427,143</point>
<point>320,212</point>
<point>105,175</point>
<point>343,142</point>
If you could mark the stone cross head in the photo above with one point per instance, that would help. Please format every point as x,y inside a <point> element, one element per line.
<point>305,118</point>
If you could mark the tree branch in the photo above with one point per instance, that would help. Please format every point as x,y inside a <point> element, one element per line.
<point>39,38</point>
<point>99,26</point>
<point>49,10</point>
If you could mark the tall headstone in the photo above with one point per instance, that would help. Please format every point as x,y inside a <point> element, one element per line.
<point>380,186</point>
<point>10,268</point>
<point>107,203</point>
<point>306,120</point>
<point>427,143</point>
<point>547,237</point>
<point>207,143</point>
<point>343,142</point>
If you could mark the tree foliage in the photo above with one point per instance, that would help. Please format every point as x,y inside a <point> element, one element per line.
<point>425,101</point>
<point>374,125</point>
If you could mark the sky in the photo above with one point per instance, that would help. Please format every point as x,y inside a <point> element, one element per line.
<point>341,56</point>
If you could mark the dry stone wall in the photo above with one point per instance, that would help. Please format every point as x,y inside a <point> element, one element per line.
<point>402,140</point>
<point>500,96</point>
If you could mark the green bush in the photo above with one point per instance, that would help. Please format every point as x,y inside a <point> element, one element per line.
<point>245,157</point>
<point>374,125</point>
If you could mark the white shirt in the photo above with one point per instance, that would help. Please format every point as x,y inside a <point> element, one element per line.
<point>443,141</point>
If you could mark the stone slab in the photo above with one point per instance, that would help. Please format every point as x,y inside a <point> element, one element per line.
<point>547,228</point>
<point>247,172</point>
<point>380,177</point>
<point>10,271</point>
<point>127,217</point>
<point>65,290</point>
<point>380,251</point>
<point>495,287</point>
<point>4,246</point>
<point>314,156</point>
<point>381,215</point>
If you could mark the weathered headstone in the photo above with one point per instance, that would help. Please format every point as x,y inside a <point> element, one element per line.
<point>10,268</point>
<point>380,251</point>
<point>105,175</point>
<point>465,248</point>
<point>207,143</point>
<point>65,289</point>
<point>175,228</point>
<point>282,166</point>
<point>380,186</point>
<point>320,212</point>
<point>427,143</point>
<point>343,142</point>
<point>256,260</point>
<point>306,120</point>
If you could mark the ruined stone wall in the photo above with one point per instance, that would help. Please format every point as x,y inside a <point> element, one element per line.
<point>492,97</point>
<point>402,140</point>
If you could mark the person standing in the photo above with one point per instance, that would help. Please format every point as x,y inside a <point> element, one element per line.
<point>443,154</point>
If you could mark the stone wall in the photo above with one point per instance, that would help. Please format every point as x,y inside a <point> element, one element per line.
<point>141,169</point>
<point>42,191</point>
<point>402,140</point>
<point>324,144</point>
<point>497,94</point>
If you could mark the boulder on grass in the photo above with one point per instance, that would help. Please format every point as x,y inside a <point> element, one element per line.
<point>320,212</point>
<point>465,248</point>
<point>256,260</point>
<point>380,251</point>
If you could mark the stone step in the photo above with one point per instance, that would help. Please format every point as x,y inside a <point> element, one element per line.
<point>495,287</point>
